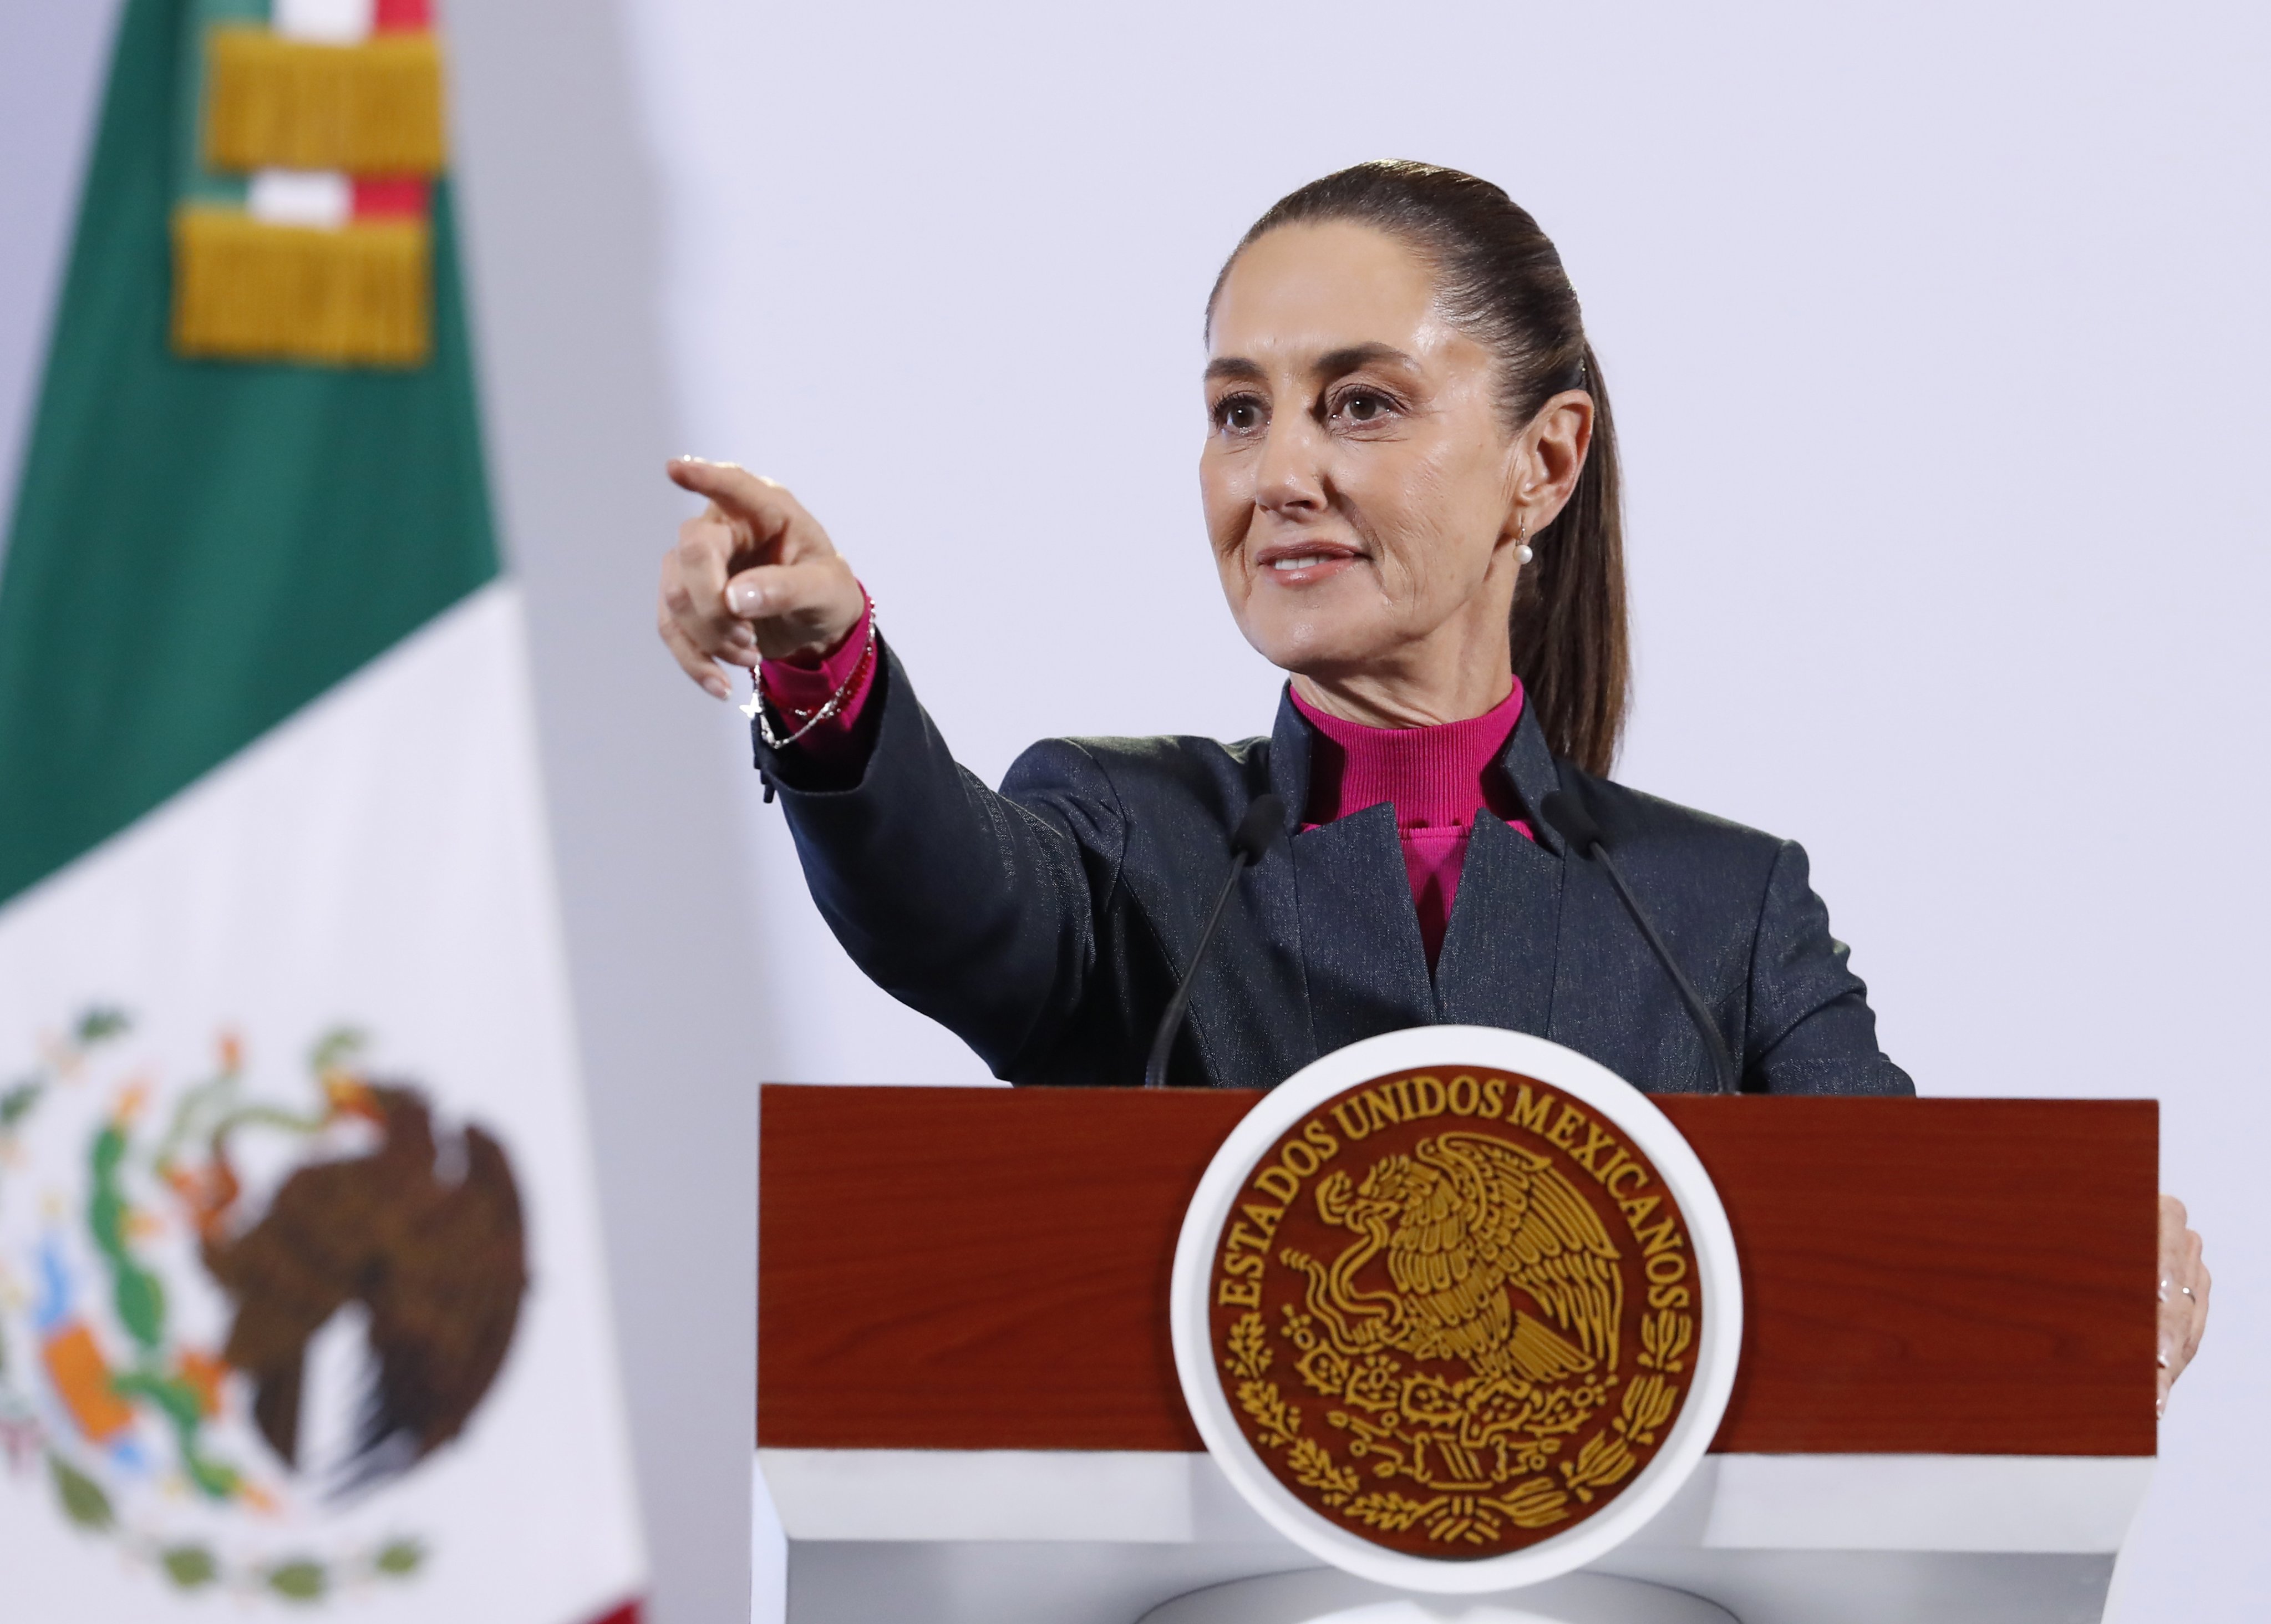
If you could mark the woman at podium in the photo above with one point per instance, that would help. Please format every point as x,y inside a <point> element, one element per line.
<point>1411,484</point>
<point>1409,479</point>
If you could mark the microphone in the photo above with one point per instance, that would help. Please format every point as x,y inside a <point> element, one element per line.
<point>1252,839</point>
<point>1575,825</point>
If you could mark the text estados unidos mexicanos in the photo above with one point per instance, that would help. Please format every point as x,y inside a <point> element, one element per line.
<point>1593,1148</point>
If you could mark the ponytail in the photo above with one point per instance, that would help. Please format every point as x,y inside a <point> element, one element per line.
<point>1568,620</point>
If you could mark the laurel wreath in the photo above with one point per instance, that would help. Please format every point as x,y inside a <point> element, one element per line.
<point>27,1441</point>
<point>1603,1461</point>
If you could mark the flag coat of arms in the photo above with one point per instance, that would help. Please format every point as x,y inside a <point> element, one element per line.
<point>301,1299</point>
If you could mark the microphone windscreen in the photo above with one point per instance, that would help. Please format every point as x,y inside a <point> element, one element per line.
<point>1258,829</point>
<point>1572,821</point>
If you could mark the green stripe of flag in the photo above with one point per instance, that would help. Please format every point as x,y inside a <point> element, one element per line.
<point>199,549</point>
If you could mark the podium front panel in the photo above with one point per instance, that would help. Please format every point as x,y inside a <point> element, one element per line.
<point>987,1269</point>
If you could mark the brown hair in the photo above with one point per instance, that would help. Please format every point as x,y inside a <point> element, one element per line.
<point>1500,281</point>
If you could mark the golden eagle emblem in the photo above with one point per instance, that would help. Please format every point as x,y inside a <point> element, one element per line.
<point>1495,1322</point>
<point>1461,1218</point>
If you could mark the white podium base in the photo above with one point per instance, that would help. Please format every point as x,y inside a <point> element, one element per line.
<point>1070,1536</point>
<point>1325,1597</point>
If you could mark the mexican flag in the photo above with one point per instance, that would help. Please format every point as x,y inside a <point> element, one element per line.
<point>302,1301</point>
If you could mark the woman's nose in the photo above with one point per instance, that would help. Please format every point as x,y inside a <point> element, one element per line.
<point>1289,479</point>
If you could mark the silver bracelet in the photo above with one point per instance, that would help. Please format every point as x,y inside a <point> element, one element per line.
<point>759,707</point>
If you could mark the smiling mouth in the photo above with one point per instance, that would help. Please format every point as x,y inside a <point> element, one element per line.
<point>1298,560</point>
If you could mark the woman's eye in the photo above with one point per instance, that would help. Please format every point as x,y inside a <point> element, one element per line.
<point>1364,406</point>
<point>1239,414</point>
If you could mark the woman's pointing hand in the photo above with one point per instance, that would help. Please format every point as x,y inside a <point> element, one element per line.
<point>753,575</point>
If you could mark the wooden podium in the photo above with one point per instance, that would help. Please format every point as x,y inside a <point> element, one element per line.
<point>967,1409</point>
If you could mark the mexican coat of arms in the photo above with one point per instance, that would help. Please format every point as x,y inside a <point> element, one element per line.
<point>1454,1311</point>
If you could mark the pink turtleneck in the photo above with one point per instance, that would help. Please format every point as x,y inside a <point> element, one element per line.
<point>1437,778</point>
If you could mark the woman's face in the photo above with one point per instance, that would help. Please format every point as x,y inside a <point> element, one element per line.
<point>1362,491</point>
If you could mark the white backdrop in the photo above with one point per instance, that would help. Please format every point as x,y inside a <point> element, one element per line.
<point>1937,336</point>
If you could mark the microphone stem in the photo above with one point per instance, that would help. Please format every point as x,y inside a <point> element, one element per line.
<point>1155,1070</point>
<point>1722,1062</point>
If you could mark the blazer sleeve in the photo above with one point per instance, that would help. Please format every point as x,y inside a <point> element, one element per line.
<point>1810,1030</point>
<point>980,909</point>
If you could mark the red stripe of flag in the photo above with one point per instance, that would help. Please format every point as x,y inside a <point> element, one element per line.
<point>395,197</point>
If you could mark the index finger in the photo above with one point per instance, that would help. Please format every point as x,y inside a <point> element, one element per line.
<point>763,504</point>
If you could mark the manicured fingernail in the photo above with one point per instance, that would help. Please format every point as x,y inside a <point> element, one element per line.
<point>718,690</point>
<point>746,600</point>
<point>2161,1408</point>
<point>2164,1359</point>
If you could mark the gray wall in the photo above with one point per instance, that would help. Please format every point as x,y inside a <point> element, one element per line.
<point>562,252</point>
<point>52,59</point>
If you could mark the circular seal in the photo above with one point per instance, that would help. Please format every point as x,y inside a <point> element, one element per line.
<point>1456,1309</point>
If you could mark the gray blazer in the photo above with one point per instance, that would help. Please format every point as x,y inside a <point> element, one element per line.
<point>1047,924</point>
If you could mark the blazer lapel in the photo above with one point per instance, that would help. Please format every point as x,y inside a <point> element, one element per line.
<point>1496,968</point>
<point>1368,966</point>
<point>1251,1009</point>
<point>1528,763</point>
<point>1363,966</point>
<point>1502,946</point>
<point>1609,997</point>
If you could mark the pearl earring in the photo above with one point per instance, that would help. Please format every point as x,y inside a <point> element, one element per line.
<point>1522,548</point>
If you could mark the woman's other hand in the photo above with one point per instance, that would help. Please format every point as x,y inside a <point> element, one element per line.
<point>753,575</point>
<point>2184,1297</point>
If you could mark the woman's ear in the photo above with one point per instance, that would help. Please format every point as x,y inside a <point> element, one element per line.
<point>1551,456</point>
